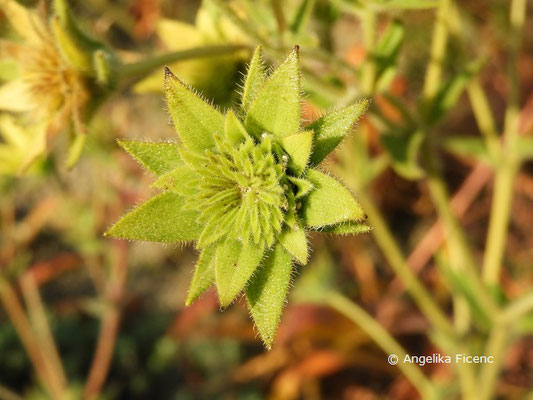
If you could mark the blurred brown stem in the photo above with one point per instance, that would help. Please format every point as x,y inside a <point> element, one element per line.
<point>18,317</point>
<point>110,323</point>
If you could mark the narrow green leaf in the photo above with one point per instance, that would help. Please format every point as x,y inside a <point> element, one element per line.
<point>255,78</point>
<point>348,228</point>
<point>404,149</point>
<point>161,219</point>
<point>235,132</point>
<point>303,186</point>
<point>469,146</point>
<point>450,92</point>
<point>298,147</point>
<point>329,202</point>
<point>302,16</point>
<point>332,128</point>
<point>386,54</point>
<point>235,264</point>
<point>179,180</point>
<point>156,157</point>
<point>76,56</point>
<point>195,120</point>
<point>204,275</point>
<point>276,109</point>
<point>266,293</point>
<point>295,242</point>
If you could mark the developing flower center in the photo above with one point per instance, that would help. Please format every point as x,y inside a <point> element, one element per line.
<point>52,83</point>
<point>239,192</point>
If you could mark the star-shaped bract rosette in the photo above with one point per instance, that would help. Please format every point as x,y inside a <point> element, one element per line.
<point>245,188</point>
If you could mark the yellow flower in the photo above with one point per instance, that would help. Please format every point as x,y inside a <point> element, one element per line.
<point>213,76</point>
<point>47,86</point>
<point>21,145</point>
<point>60,73</point>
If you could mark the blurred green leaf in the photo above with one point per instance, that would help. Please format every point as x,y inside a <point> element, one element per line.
<point>403,150</point>
<point>469,146</point>
<point>386,54</point>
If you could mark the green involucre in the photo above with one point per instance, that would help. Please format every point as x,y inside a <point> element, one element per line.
<point>242,185</point>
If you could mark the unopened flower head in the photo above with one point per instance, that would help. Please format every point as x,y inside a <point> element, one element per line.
<point>245,188</point>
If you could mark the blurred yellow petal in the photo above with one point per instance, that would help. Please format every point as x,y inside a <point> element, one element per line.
<point>14,97</point>
<point>177,35</point>
<point>27,23</point>
<point>21,144</point>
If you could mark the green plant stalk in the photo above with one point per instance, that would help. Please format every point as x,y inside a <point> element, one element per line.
<point>393,254</point>
<point>504,181</point>
<point>438,50</point>
<point>386,341</point>
<point>483,116</point>
<point>368,20</point>
<point>143,67</point>
<point>463,257</point>
<point>461,252</point>
<point>496,346</point>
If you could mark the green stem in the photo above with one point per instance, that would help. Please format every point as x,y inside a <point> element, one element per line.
<point>138,69</point>
<point>369,38</point>
<point>394,256</point>
<point>499,221</point>
<point>496,346</point>
<point>386,341</point>
<point>438,49</point>
<point>504,181</point>
<point>483,115</point>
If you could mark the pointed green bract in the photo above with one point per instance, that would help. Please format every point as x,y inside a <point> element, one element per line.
<point>332,128</point>
<point>161,219</point>
<point>195,120</point>
<point>298,147</point>
<point>303,186</point>
<point>295,242</point>
<point>204,275</point>
<point>235,132</point>
<point>348,228</point>
<point>155,157</point>
<point>276,109</point>
<point>266,293</point>
<point>329,202</point>
<point>235,264</point>
<point>255,78</point>
<point>180,180</point>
